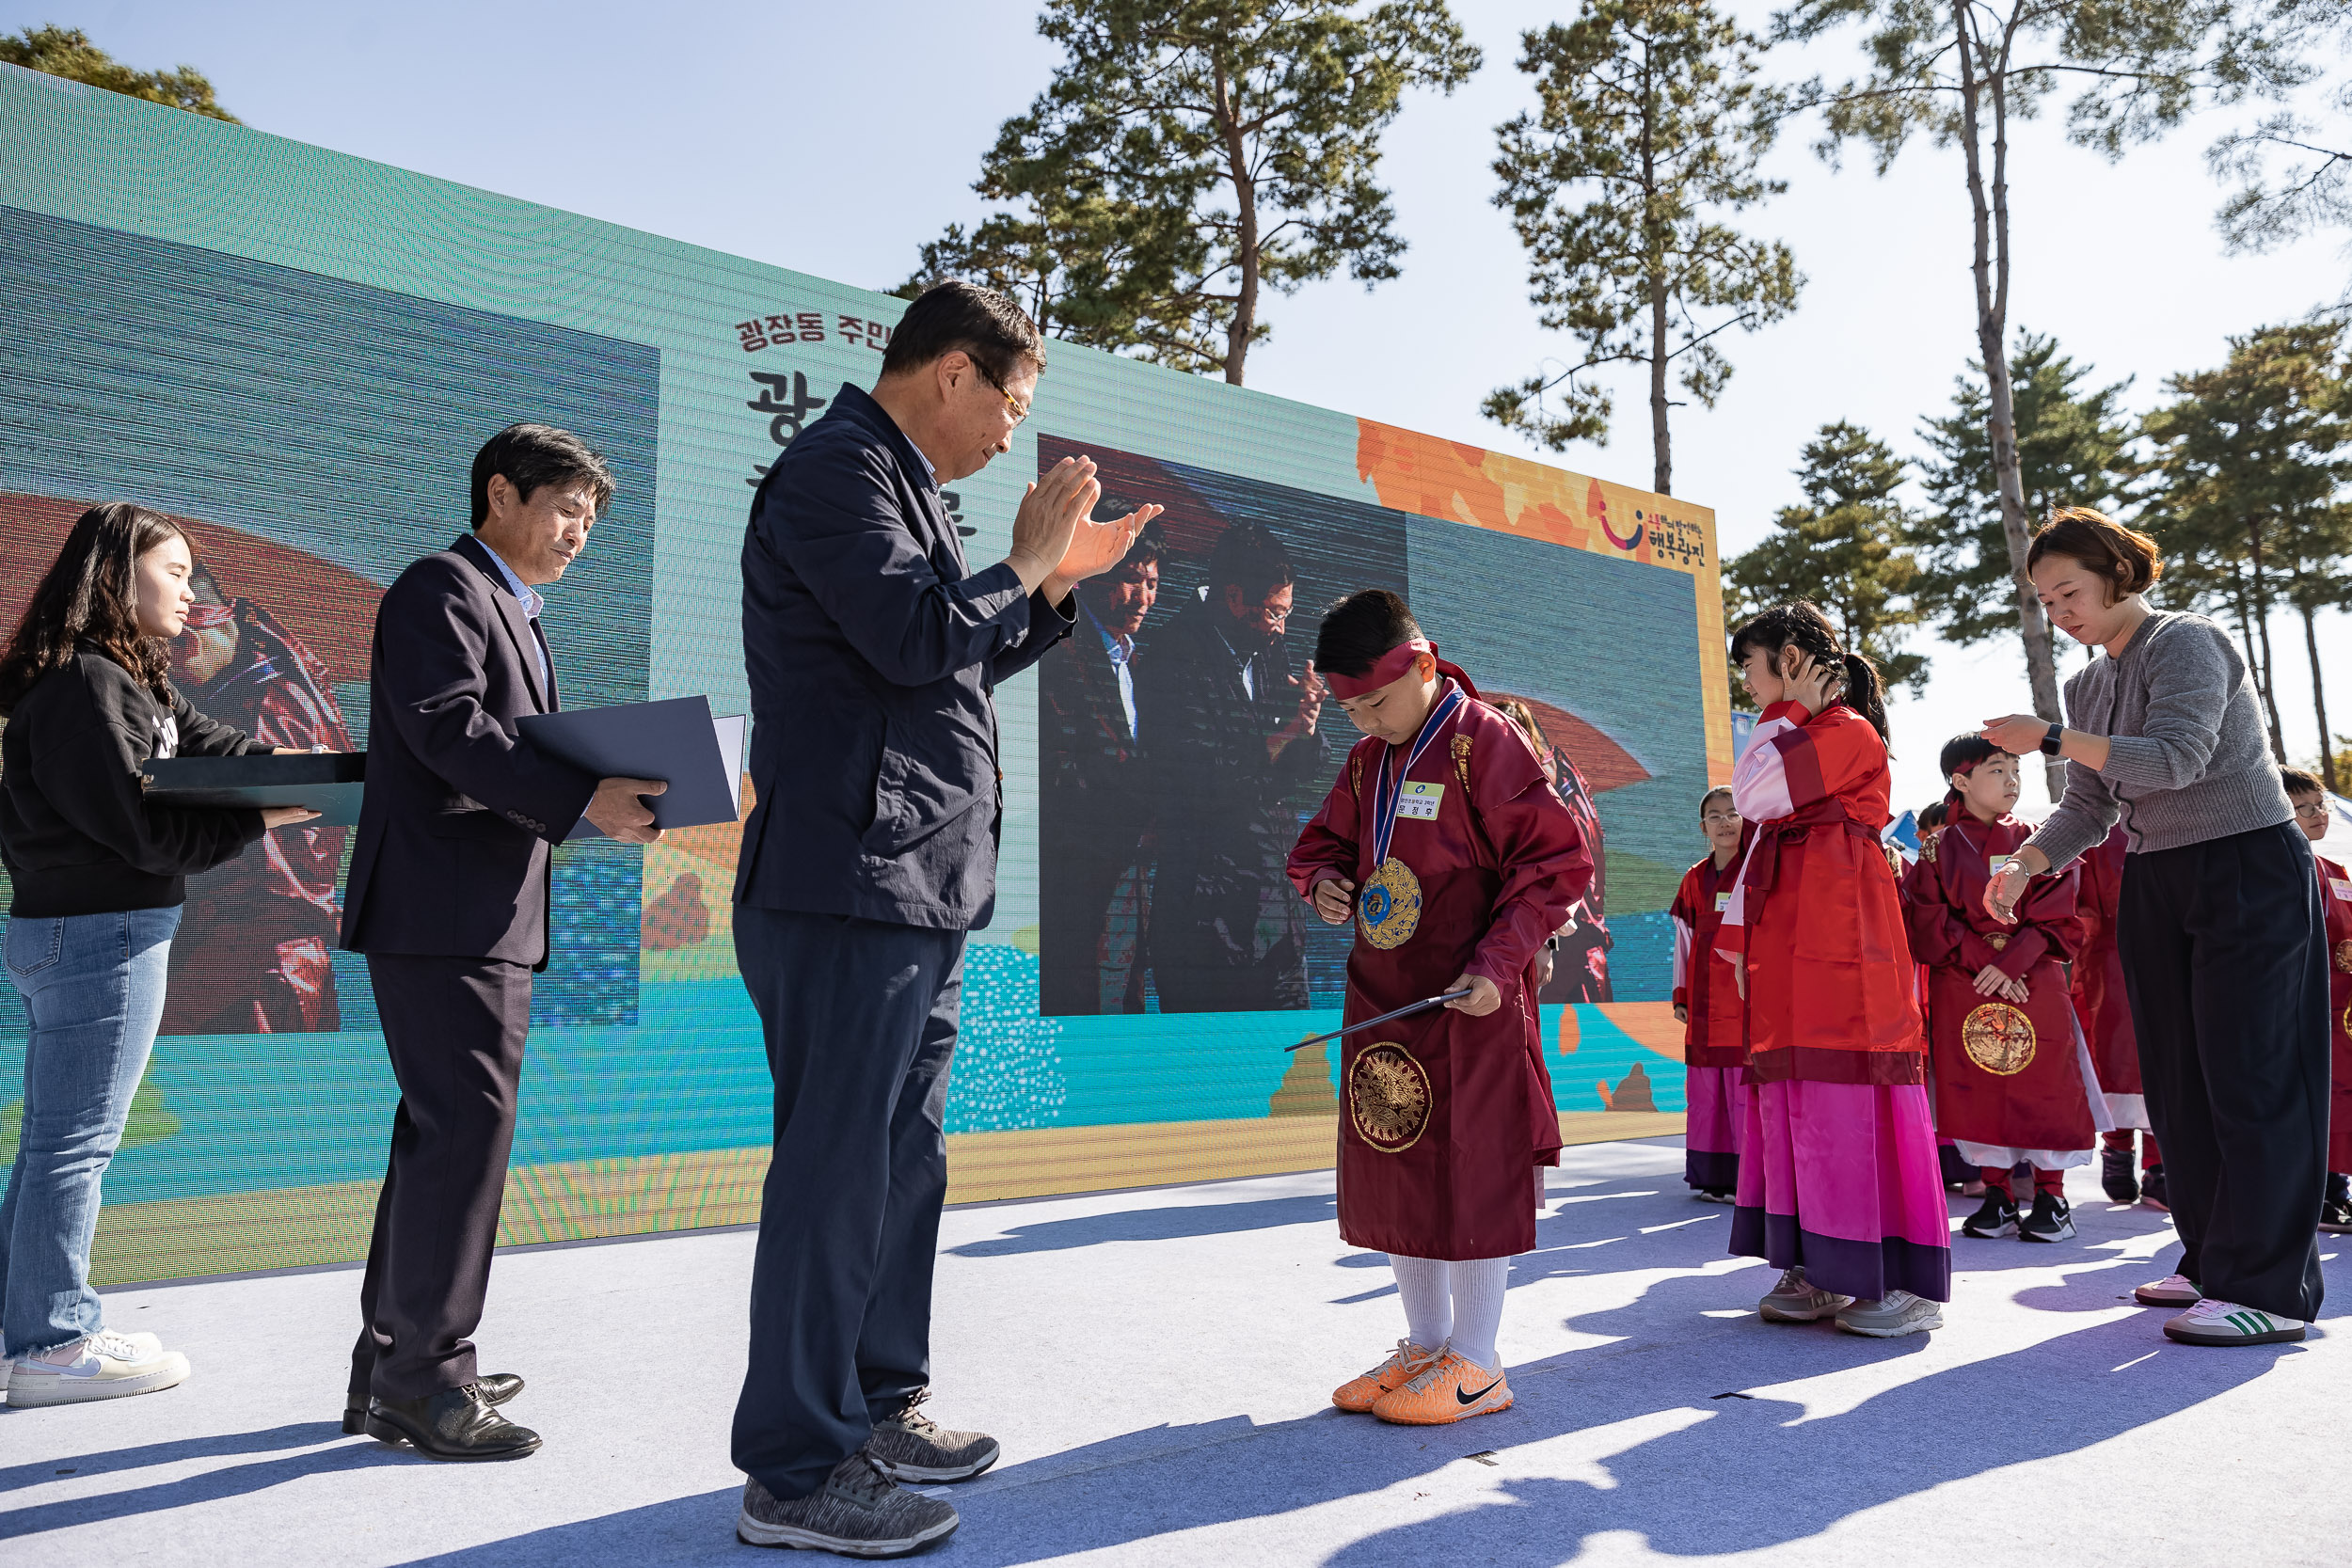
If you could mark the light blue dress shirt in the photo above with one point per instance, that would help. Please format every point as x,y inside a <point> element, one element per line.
<point>528,598</point>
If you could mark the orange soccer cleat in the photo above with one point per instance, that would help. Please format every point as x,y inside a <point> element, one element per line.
<point>1450,1388</point>
<point>1359,1394</point>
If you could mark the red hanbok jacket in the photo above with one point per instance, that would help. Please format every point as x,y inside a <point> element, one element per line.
<point>1815,916</point>
<point>2335,883</point>
<point>1705,985</point>
<point>1442,1115</point>
<point>2101,1004</point>
<point>2007,1073</point>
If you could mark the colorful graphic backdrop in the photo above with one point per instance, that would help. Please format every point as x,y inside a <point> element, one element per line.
<point>299,354</point>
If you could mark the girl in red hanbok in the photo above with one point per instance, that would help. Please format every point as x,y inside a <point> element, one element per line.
<point>2105,1013</point>
<point>1714,1018</point>
<point>2013,1079</point>
<point>1839,1184</point>
<point>2309,798</point>
<point>1455,857</point>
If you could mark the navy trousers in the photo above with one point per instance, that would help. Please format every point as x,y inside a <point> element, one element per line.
<point>2225,960</point>
<point>859,1019</point>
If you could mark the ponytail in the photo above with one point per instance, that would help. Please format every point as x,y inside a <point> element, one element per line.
<point>1864,694</point>
<point>1799,624</point>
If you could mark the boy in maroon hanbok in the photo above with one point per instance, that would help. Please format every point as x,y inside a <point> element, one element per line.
<point>1455,857</point>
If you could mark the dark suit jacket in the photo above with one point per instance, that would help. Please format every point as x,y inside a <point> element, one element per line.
<point>453,857</point>
<point>874,652</point>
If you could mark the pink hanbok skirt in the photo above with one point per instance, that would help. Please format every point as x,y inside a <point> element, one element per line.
<point>1844,1179</point>
<point>1717,1097</point>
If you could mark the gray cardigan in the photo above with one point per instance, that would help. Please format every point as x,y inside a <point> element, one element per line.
<point>2186,758</point>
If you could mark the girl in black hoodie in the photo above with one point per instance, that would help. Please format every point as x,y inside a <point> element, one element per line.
<point>98,877</point>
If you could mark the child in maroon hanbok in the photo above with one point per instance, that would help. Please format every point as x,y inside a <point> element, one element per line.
<point>1706,1001</point>
<point>2309,798</point>
<point>2105,1012</point>
<point>2013,1079</point>
<point>1456,858</point>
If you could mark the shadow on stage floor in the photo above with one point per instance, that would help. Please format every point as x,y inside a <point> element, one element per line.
<point>1653,1424</point>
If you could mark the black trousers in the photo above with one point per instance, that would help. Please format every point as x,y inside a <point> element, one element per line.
<point>2225,959</point>
<point>455,1029</point>
<point>859,1019</point>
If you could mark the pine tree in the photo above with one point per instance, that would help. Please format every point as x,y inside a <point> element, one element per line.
<point>1190,157</point>
<point>1960,73</point>
<point>2252,461</point>
<point>67,52</point>
<point>2071,441</point>
<point>1651,125</point>
<point>1845,547</point>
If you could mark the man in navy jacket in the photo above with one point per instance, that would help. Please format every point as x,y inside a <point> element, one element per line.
<point>874,652</point>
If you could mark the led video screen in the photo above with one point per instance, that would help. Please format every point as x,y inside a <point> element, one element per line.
<point>296,354</point>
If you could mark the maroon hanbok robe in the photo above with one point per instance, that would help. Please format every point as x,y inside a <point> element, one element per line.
<point>1442,1116</point>
<point>2097,977</point>
<point>2008,1075</point>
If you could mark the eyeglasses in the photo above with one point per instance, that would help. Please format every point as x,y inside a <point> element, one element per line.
<point>2316,808</point>
<point>1721,816</point>
<point>1013,407</point>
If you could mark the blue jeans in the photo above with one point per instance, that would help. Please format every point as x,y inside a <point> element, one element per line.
<point>93,989</point>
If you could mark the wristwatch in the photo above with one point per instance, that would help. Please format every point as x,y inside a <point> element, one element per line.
<point>2050,741</point>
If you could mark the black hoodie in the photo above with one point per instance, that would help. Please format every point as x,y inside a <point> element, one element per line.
<point>75,830</point>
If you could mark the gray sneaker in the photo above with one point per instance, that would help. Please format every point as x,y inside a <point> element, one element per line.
<point>859,1511</point>
<point>911,1445</point>
<point>1892,1315</point>
<point>1798,1300</point>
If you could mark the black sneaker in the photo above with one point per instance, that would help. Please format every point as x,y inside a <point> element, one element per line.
<point>2151,1189</point>
<point>859,1511</point>
<point>911,1447</point>
<point>1995,1216</point>
<point>2052,1220</point>
<point>2335,1216</point>
<point>2117,1177</point>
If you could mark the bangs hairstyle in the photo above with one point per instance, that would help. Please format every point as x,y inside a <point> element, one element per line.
<point>2301,781</point>
<point>1361,628</point>
<point>91,594</point>
<point>2125,558</point>
<point>1799,624</point>
<point>1965,751</point>
<point>533,456</point>
<point>1719,791</point>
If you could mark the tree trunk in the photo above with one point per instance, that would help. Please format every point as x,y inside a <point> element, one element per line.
<point>2319,696</point>
<point>1991,269</point>
<point>1660,439</point>
<point>1245,245</point>
<point>2266,677</point>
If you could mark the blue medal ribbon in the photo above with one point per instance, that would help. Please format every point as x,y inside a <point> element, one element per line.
<point>1387,795</point>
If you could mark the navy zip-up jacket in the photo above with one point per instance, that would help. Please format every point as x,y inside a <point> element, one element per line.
<point>874,652</point>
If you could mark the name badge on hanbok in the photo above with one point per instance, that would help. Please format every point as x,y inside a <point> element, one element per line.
<point>1723,901</point>
<point>2342,889</point>
<point>1420,802</point>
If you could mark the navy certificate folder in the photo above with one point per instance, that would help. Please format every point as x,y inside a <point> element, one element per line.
<point>329,782</point>
<point>676,740</point>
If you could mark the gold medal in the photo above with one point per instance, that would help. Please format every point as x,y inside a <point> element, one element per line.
<point>1998,1039</point>
<point>1389,1097</point>
<point>1389,910</point>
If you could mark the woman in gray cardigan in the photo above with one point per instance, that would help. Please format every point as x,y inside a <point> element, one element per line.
<point>2219,926</point>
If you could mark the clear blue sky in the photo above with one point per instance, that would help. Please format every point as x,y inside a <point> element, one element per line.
<point>834,139</point>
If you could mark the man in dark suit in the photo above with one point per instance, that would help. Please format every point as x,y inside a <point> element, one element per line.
<point>447,897</point>
<point>1095,807</point>
<point>874,652</point>
<point>1229,733</point>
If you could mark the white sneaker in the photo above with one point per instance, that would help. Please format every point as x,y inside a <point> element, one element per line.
<point>1892,1315</point>
<point>2171,1290</point>
<point>105,1366</point>
<point>1798,1300</point>
<point>2225,1323</point>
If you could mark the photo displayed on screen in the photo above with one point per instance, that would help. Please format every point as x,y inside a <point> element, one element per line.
<point>1181,748</point>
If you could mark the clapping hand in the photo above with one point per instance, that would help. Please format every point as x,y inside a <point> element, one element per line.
<point>1301,723</point>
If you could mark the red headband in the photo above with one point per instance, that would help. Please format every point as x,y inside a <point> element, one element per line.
<point>1394,665</point>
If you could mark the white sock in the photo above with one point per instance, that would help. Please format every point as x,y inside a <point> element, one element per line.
<point>1420,1283</point>
<point>1478,1288</point>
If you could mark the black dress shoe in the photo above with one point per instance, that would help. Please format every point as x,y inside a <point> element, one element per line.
<point>455,1423</point>
<point>497,1388</point>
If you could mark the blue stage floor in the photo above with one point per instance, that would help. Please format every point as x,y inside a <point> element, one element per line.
<point>1157,1365</point>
